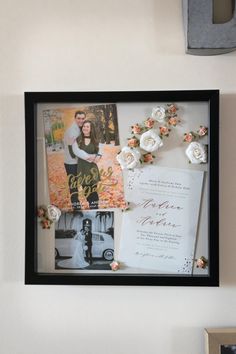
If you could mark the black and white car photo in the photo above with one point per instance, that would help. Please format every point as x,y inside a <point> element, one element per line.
<point>70,240</point>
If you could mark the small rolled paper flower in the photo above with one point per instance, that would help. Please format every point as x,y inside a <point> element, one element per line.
<point>136,129</point>
<point>148,158</point>
<point>171,108</point>
<point>115,266</point>
<point>41,212</point>
<point>189,137</point>
<point>149,123</point>
<point>202,131</point>
<point>173,121</point>
<point>201,262</point>
<point>46,223</point>
<point>133,142</point>
<point>126,207</point>
<point>164,131</point>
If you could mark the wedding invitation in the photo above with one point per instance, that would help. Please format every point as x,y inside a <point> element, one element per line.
<point>159,231</point>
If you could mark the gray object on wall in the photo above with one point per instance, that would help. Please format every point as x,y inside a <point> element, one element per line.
<point>202,36</point>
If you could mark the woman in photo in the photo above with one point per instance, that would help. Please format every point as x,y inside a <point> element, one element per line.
<point>77,261</point>
<point>87,172</point>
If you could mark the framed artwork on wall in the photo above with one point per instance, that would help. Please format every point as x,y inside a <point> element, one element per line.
<point>122,188</point>
<point>220,340</point>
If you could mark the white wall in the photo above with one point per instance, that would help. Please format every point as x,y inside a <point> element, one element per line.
<point>64,45</point>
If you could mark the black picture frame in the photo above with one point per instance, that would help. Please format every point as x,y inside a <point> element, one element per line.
<point>32,276</point>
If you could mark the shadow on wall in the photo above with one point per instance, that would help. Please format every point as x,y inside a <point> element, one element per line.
<point>227,190</point>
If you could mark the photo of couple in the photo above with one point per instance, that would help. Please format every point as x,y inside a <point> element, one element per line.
<point>82,256</point>
<point>81,147</point>
<point>84,240</point>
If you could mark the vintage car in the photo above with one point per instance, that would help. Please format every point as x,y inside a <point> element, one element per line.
<point>103,245</point>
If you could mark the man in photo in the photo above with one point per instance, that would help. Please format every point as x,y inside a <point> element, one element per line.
<point>70,160</point>
<point>89,244</point>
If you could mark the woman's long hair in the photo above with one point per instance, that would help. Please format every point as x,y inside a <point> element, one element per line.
<point>93,135</point>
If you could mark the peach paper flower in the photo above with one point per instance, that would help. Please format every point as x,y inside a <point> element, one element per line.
<point>171,109</point>
<point>173,121</point>
<point>202,131</point>
<point>188,137</point>
<point>115,266</point>
<point>148,158</point>
<point>164,131</point>
<point>149,123</point>
<point>46,223</point>
<point>136,129</point>
<point>133,142</point>
<point>201,262</point>
<point>41,212</point>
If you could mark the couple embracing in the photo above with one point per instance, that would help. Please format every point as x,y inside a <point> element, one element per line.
<point>81,158</point>
<point>82,256</point>
<point>84,245</point>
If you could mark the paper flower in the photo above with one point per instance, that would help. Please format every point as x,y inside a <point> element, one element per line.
<point>159,113</point>
<point>128,158</point>
<point>136,129</point>
<point>164,131</point>
<point>149,123</point>
<point>41,212</point>
<point>201,262</point>
<point>53,213</point>
<point>202,131</point>
<point>148,157</point>
<point>115,266</point>
<point>46,223</point>
<point>189,137</point>
<point>126,207</point>
<point>133,142</point>
<point>171,108</point>
<point>173,121</point>
<point>150,141</point>
<point>196,153</point>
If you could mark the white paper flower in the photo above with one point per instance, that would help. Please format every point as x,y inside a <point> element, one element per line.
<point>159,113</point>
<point>197,153</point>
<point>128,158</point>
<point>53,213</point>
<point>150,141</point>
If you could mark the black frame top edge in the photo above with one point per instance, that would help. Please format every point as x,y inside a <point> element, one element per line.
<point>126,96</point>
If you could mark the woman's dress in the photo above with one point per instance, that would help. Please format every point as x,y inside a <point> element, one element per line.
<point>77,261</point>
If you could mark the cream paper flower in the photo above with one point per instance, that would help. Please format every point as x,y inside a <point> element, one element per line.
<point>53,213</point>
<point>115,266</point>
<point>128,158</point>
<point>159,113</point>
<point>150,141</point>
<point>197,153</point>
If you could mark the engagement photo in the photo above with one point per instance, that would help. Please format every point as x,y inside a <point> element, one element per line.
<point>81,147</point>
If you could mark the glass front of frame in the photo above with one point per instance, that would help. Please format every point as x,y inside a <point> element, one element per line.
<point>125,188</point>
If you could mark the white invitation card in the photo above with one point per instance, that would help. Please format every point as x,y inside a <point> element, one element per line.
<point>159,231</point>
